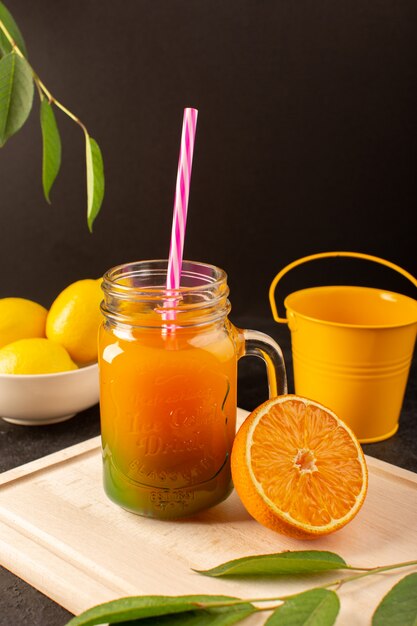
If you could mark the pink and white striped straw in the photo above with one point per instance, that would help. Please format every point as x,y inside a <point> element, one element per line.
<point>182,192</point>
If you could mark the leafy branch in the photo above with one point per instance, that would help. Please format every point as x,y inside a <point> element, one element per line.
<point>17,82</point>
<point>318,606</point>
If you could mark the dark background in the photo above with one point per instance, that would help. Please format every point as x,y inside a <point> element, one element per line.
<point>306,140</point>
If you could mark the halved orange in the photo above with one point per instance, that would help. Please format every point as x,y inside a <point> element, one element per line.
<point>298,469</point>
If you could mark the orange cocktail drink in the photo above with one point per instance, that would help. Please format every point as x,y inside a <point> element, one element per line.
<point>168,376</point>
<point>168,419</point>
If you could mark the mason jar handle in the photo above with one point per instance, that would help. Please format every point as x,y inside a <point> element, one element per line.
<point>263,346</point>
<point>324,255</point>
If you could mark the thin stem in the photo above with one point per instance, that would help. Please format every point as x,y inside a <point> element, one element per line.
<point>40,85</point>
<point>53,100</point>
<point>335,583</point>
<point>10,39</point>
<point>369,572</point>
<point>41,95</point>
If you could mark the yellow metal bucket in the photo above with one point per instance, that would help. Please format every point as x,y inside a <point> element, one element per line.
<point>352,348</point>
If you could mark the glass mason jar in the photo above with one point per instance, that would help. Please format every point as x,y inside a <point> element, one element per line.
<point>168,378</point>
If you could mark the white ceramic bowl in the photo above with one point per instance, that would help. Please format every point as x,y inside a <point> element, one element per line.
<point>47,398</point>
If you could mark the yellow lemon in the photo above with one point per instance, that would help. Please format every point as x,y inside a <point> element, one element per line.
<point>74,318</point>
<point>20,319</point>
<point>34,356</point>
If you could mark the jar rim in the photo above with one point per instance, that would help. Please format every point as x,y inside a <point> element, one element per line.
<point>212,278</point>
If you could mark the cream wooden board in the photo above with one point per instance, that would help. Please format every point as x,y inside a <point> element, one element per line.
<point>59,532</point>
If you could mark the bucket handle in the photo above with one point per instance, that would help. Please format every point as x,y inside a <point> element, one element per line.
<point>324,255</point>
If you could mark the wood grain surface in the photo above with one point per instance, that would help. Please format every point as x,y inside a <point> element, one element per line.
<point>60,533</point>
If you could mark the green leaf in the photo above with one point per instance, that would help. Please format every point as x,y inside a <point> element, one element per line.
<point>95,180</point>
<point>51,153</point>
<point>16,94</point>
<point>8,21</point>
<point>203,617</point>
<point>283,563</point>
<point>317,607</point>
<point>141,607</point>
<point>399,606</point>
